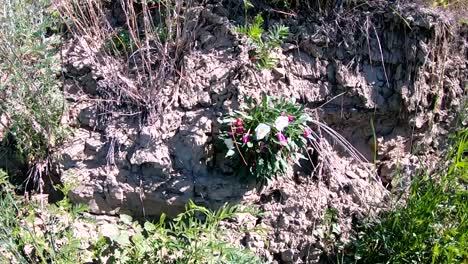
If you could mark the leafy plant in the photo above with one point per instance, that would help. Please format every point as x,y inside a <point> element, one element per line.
<point>262,47</point>
<point>192,237</point>
<point>33,233</point>
<point>265,138</point>
<point>329,232</point>
<point>432,227</point>
<point>31,101</point>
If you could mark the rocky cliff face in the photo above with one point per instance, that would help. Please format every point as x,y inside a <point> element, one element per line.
<point>400,67</point>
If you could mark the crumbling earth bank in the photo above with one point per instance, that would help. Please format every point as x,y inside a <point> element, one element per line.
<point>399,66</point>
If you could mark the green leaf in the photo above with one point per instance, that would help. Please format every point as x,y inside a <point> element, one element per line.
<point>123,238</point>
<point>250,144</point>
<point>243,115</point>
<point>149,227</point>
<point>304,118</point>
<point>277,165</point>
<point>126,219</point>
<point>265,100</point>
<point>284,164</point>
<point>248,5</point>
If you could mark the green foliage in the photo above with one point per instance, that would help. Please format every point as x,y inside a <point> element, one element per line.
<point>264,137</point>
<point>329,232</point>
<point>192,237</point>
<point>262,48</point>
<point>31,232</point>
<point>30,97</point>
<point>432,227</point>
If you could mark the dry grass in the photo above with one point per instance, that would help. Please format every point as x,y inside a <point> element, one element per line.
<point>137,47</point>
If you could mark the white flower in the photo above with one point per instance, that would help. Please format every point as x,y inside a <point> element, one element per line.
<point>229,143</point>
<point>262,131</point>
<point>281,122</point>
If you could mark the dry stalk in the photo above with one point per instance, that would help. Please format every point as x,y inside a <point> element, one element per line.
<point>158,39</point>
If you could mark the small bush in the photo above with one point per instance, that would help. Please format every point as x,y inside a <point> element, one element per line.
<point>265,138</point>
<point>31,101</point>
<point>262,47</point>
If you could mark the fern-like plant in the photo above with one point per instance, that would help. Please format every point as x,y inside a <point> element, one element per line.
<point>263,45</point>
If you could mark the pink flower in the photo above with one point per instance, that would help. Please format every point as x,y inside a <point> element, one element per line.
<point>307,133</point>
<point>245,138</point>
<point>240,130</point>
<point>290,118</point>
<point>239,122</point>
<point>281,138</point>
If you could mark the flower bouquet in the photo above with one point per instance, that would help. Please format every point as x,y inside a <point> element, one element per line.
<point>266,138</point>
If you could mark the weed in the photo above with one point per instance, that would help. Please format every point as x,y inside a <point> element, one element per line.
<point>432,226</point>
<point>32,233</point>
<point>31,102</point>
<point>330,231</point>
<point>192,237</point>
<point>263,48</point>
<point>450,3</point>
<point>119,43</point>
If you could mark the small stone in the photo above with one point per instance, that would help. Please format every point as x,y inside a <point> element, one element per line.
<point>279,72</point>
<point>88,117</point>
<point>283,221</point>
<point>287,255</point>
<point>109,230</point>
<point>351,174</point>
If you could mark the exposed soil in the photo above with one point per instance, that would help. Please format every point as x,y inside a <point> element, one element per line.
<point>398,66</point>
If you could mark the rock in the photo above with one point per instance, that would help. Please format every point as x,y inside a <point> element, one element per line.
<point>4,125</point>
<point>287,256</point>
<point>279,72</point>
<point>88,117</point>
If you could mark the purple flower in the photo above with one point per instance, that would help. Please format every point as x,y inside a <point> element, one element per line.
<point>290,118</point>
<point>245,138</point>
<point>281,138</point>
<point>240,130</point>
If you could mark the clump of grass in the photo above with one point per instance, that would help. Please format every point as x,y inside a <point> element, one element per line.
<point>432,227</point>
<point>31,101</point>
<point>194,236</point>
<point>462,4</point>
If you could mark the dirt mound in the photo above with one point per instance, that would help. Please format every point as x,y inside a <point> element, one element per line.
<point>375,72</point>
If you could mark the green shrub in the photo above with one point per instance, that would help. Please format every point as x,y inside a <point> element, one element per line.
<point>119,43</point>
<point>262,48</point>
<point>30,94</point>
<point>263,138</point>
